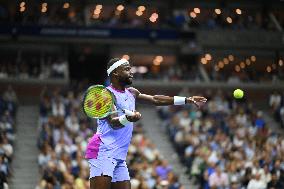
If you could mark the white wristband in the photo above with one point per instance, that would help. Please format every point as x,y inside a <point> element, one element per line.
<point>179,100</point>
<point>123,120</point>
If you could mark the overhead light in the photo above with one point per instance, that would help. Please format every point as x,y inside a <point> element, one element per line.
<point>253,58</point>
<point>126,56</point>
<point>156,63</point>
<point>196,10</point>
<point>99,6</point>
<point>155,15</point>
<point>192,14</point>
<point>22,9</point>
<point>22,4</point>
<point>203,60</point>
<point>208,56</point>
<point>120,7</point>
<point>218,11</point>
<point>238,11</point>
<point>229,20</point>
<point>66,5</point>
<point>141,8</point>
<point>152,19</point>
<point>139,13</point>
<point>97,11</point>
<point>159,58</point>
<point>43,9</point>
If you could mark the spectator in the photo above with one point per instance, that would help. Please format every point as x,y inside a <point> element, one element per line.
<point>218,179</point>
<point>275,183</point>
<point>163,169</point>
<point>274,100</point>
<point>256,182</point>
<point>8,104</point>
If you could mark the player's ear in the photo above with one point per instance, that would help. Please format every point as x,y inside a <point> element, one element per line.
<point>115,73</point>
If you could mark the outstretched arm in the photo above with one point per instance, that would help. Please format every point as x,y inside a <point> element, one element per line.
<point>162,100</point>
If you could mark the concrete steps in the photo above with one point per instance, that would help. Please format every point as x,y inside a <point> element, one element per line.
<point>25,167</point>
<point>152,126</point>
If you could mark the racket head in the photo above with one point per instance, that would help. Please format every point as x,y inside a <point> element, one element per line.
<point>97,102</point>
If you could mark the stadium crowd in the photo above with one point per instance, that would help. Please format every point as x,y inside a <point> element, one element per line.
<point>276,103</point>
<point>175,72</point>
<point>247,75</point>
<point>226,144</point>
<point>63,133</point>
<point>8,109</point>
<point>34,66</point>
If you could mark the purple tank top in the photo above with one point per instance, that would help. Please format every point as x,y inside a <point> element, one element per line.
<point>115,142</point>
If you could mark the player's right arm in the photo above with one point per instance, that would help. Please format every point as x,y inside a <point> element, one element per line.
<point>115,122</point>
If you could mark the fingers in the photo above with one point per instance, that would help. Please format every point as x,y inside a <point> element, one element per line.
<point>203,100</point>
<point>199,99</point>
<point>137,115</point>
<point>134,117</point>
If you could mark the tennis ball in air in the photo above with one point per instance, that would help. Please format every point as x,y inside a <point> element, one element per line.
<point>238,93</point>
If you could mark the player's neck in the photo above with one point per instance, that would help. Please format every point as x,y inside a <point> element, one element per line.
<point>118,87</point>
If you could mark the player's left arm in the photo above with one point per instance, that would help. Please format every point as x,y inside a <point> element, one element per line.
<point>115,121</point>
<point>162,100</point>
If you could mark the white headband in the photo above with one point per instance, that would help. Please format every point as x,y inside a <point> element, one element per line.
<point>116,65</point>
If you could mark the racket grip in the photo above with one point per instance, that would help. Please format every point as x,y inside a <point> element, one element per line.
<point>129,113</point>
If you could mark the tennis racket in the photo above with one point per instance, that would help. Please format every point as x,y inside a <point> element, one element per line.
<point>98,103</point>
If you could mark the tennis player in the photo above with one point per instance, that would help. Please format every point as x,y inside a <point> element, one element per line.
<point>107,149</point>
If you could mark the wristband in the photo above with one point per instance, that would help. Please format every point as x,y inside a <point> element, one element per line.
<point>179,100</point>
<point>123,120</point>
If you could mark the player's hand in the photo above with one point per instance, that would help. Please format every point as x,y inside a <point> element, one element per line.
<point>135,117</point>
<point>199,101</point>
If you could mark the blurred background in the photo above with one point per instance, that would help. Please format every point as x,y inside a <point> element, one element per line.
<point>52,50</point>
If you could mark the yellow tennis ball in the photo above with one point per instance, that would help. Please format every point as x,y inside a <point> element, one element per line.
<point>238,93</point>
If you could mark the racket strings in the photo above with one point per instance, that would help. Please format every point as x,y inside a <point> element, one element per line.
<point>97,102</point>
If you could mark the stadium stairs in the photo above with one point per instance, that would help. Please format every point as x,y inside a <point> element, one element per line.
<point>271,123</point>
<point>152,126</point>
<point>25,167</point>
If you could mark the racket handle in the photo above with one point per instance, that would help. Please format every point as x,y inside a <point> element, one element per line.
<point>128,112</point>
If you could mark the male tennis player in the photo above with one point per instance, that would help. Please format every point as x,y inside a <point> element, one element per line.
<point>107,149</point>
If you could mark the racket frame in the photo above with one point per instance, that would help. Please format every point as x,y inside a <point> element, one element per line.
<point>127,112</point>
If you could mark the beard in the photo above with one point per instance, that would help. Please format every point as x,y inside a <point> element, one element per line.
<point>125,81</point>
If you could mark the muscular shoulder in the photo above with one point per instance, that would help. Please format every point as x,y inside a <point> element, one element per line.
<point>134,91</point>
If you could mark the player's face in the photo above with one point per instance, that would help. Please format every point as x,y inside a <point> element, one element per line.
<point>125,75</point>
